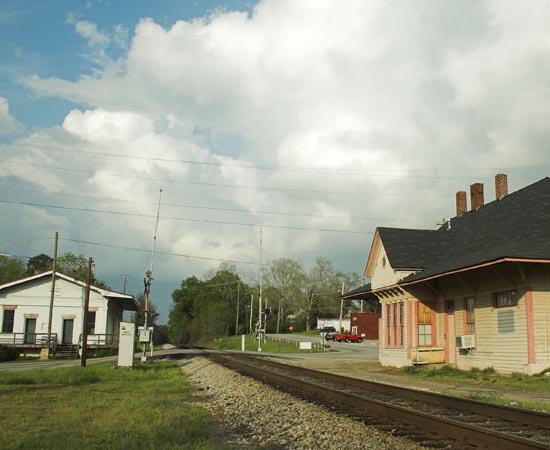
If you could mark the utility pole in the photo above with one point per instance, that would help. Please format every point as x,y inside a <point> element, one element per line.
<point>85,315</point>
<point>147,281</point>
<point>52,295</point>
<point>125,277</point>
<point>251,312</point>
<point>238,304</point>
<point>260,297</point>
<point>341,308</point>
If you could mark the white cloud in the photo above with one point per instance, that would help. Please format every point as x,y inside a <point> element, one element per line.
<point>377,89</point>
<point>8,124</point>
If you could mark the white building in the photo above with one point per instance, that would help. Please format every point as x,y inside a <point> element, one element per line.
<point>25,308</point>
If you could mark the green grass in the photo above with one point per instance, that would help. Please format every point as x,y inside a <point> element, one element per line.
<point>487,376</point>
<point>101,407</point>
<point>234,343</point>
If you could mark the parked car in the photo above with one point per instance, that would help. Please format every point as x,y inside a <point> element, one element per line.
<point>347,337</point>
<point>327,330</point>
<point>330,336</point>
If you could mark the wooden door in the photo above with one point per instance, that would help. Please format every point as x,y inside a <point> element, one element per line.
<point>450,332</point>
<point>30,330</point>
<point>67,331</point>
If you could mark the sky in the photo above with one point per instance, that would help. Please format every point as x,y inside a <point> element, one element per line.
<point>304,124</point>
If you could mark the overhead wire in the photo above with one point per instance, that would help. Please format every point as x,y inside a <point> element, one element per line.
<point>211,208</point>
<point>72,208</point>
<point>236,186</point>
<point>347,171</point>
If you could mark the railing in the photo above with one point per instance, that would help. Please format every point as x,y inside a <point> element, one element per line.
<point>314,345</point>
<point>101,340</point>
<point>28,340</point>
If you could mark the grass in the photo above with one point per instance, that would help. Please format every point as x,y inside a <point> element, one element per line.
<point>539,382</point>
<point>234,343</point>
<point>100,407</point>
<point>488,377</point>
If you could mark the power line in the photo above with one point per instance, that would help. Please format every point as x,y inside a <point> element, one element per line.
<point>347,171</point>
<point>211,208</point>
<point>121,247</point>
<point>236,186</point>
<point>219,222</point>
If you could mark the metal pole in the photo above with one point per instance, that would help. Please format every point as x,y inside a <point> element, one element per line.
<point>85,314</point>
<point>238,304</point>
<point>52,295</point>
<point>260,298</point>
<point>251,311</point>
<point>341,309</point>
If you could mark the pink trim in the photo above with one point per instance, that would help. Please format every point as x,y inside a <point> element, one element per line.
<point>410,326</point>
<point>531,357</point>
<point>433,306</point>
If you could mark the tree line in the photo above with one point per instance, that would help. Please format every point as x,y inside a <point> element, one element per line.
<point>224,304</point>
<point>75,266</point>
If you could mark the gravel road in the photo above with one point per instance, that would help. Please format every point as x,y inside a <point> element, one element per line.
<point>255,416</point>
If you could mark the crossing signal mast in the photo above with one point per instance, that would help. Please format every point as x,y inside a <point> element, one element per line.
<point>146,332</point>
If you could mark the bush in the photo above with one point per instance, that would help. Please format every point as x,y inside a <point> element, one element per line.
<point>7,353</point>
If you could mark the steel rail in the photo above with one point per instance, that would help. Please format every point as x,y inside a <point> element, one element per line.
<point>459,432</point>
<point>513,414</point>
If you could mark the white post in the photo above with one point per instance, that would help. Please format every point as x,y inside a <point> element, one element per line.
<point>242,343</point>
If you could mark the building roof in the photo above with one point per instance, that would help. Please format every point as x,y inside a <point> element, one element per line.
<point>127,301</point>
<point>516,226</point>
<point>362,292</point>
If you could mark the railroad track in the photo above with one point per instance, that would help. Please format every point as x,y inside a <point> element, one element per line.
<point>432,420</point>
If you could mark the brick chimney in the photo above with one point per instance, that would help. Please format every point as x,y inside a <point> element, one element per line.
<point>476,195</point>
<point>501,185</point>
<point>461,205</point>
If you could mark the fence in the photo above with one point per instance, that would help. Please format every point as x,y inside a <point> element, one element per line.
<point>314,345</point>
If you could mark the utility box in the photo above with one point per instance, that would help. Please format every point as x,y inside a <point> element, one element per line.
<point>126,344</point>
<point>145,334</point>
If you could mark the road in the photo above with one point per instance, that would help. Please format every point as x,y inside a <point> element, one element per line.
<point>366,350</point>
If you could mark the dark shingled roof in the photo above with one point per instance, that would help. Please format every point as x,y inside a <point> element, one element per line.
<point>516,226</point>
<point>361,291</point>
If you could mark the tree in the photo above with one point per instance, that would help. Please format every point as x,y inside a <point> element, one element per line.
<point>39,263</point>
<point>207,309</point>
<point>77,267</point>
<point>320,286</point>
<point>11,269</point>
<point>152,314</point>
<point>286,276</point>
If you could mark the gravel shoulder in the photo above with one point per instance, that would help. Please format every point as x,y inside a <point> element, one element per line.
<point>252,415</point>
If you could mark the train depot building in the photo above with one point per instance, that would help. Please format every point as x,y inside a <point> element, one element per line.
<point>25,314</point>
<point>474,293</point>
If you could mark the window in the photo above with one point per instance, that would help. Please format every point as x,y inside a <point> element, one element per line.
<point>91,322</point>
<point>7,321</point>
<point>395,318</point>
<point>401,322</point>
<point>394,324</point>
<point>388,324</point>
<point>424,325</point>
<point>507,298</point>
<point>469,321</point>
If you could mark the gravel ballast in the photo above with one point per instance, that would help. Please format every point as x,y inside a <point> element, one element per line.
<point>257,416</point>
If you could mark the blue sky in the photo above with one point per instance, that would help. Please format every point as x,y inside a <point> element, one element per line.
<point>316,120</point>
<point>39,39</point>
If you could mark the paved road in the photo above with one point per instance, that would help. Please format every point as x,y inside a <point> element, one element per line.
<point>366,350</point>
<point>32,365</point>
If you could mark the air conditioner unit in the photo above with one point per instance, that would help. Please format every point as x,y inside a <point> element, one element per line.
<point>466,341</point>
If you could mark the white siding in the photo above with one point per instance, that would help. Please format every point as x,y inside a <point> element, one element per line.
<point>33,298</point>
